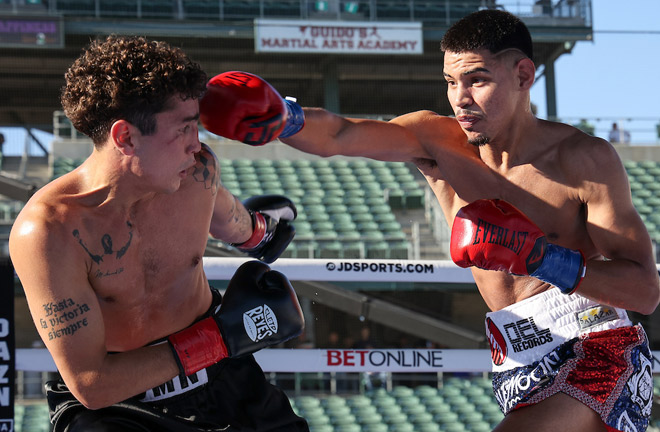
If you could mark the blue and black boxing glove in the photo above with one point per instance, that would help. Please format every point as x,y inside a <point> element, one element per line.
<point>271,228</point>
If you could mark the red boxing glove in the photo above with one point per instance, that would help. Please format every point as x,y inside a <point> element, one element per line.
<point>494,235</point>
<point>243,107</point>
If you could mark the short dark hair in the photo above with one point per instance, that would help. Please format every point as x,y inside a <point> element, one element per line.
<point>127,78</point>
<point>492,29</point>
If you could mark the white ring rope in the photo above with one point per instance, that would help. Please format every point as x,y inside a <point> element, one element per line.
<point>350,270</point>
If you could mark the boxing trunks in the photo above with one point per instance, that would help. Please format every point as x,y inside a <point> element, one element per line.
<point>553,342</point>
<point>231,395</point>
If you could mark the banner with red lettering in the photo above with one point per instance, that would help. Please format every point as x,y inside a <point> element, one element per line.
<point>381,360</point>
<point>337,360</point>
<point>340,37</point>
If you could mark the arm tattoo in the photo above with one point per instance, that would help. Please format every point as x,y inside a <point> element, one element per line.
<point>63,318</point>
<point>233,214</point>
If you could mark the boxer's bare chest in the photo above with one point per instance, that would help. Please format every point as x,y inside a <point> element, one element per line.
<point>547,198</point>
<point>146,269</point>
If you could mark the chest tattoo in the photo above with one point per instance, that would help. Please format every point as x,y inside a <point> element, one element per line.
<point>106,245</point>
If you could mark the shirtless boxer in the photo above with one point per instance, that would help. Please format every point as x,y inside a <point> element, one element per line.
<point>541,212</point>
<point>110,258</point>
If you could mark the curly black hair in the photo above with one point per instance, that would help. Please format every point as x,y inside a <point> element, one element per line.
<point>492,29</point>
<point>127,78</point>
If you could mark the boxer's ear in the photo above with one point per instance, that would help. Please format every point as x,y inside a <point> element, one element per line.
<point>121,134</point>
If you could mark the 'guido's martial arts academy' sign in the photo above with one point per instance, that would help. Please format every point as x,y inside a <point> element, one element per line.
<point>340,37</point>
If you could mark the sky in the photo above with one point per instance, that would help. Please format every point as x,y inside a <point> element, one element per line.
<point>615,76</point>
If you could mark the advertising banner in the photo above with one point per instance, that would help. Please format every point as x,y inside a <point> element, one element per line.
<point>338,37</point>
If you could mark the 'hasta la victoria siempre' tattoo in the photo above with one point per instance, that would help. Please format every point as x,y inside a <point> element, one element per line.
<point>63,318</point>
<point>106,244</point>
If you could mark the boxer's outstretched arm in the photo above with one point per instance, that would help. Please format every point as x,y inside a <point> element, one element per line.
<point>244,107</point>
<point>402,139</point>
<point>67,315</point>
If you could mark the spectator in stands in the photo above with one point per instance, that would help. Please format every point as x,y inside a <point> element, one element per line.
<point>619,136</point>
<point>110,258</point>
<point>364,341</point>
<point>586,127</point>
<point>541,212</point>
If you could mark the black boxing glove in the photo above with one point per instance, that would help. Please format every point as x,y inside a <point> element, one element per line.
<point>272,232</point>
<point>259,309</point>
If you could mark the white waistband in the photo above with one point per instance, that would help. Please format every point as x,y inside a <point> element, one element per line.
<point>525,331</point>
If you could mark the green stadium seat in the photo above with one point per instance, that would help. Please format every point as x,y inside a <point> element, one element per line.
<point>355,193</point>
<point>636,171</point>
<point>358,208</point>
<point>351,200</point>
<point>338,163</point>
<point>342,170</point>
<point>399,250</point>
<point>358,401</point>
<point>300,163</point>
<point>629,164</point>
<point>331,199</point>
<point>396,199</point>
<point>336,209</point>
<point>396,417</point>
<point>376,427</point>
<point>366,226</point>
<point>402,427</point>
<point>385,217</point>
<point>353,249</point>
<point>325,170</point>
<point>359,163</point>
<point>445,418</point>
<point>380,208</point>
<point>348,428</point>
<point>414,199</point>
<point>647,164</point>
<point>369,418</point>
<point>427,427</point>
<point>645,178</point>
<point>325,178</point>
<point>334,401</point>
<point>343,418</point>
<point>312,199</point>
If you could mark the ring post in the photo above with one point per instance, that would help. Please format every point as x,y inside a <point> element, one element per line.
<point>7,345</point>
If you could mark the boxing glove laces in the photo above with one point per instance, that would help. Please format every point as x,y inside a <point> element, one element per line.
<point>495,235</point>
<point>259,309</point>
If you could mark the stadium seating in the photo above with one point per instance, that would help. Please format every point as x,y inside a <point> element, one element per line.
<point>644,178</point>
<point>344,207</point>
<point>462,404</point>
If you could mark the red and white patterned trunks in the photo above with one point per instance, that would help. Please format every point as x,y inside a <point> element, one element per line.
<point>554,343</point>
